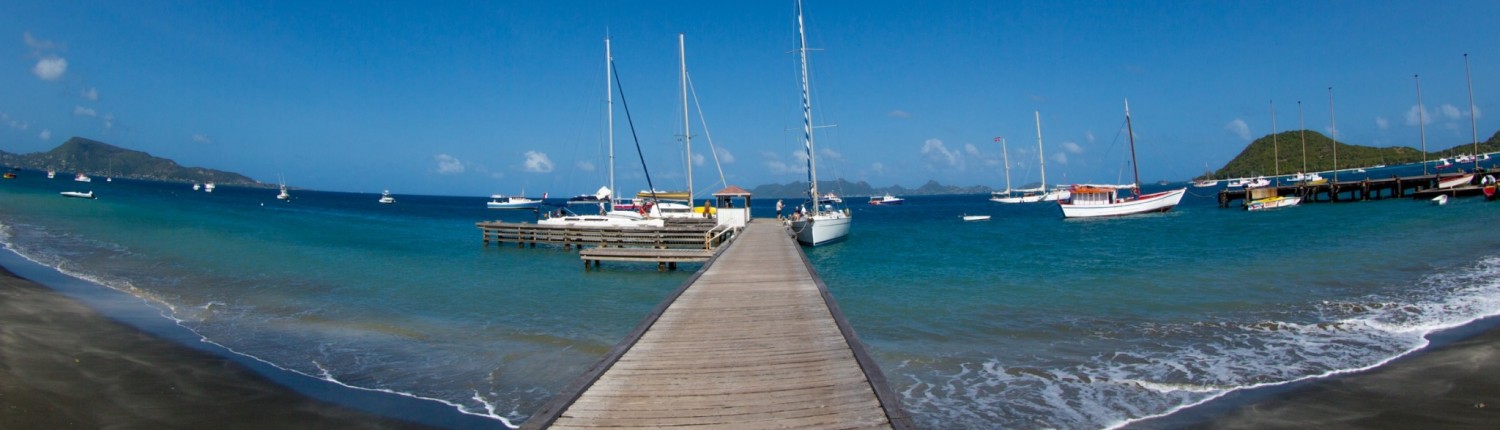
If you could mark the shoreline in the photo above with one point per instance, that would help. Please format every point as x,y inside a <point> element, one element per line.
<point>65,365</point>
<point>1453,383</point>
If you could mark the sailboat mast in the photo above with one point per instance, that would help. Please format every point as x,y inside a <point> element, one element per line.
<point>1275,147</point>
<point>1136,170</point>
<point>807,135</point>
<point>1005,153</point>
<point>1041,155</point>
<point>687,138</point>
<point>1472,122</point>
<point>1303,126</point>
<point>1421,121</point>
<point>609,102</point>
<point>1333,125</point>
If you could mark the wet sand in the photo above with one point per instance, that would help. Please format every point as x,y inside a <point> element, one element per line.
<point>1451,386</point>
<point>63,365</point>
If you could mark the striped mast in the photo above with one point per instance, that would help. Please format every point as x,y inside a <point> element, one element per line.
<point>807,134</point>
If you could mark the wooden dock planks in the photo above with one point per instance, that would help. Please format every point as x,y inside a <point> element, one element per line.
<point>753,341</point>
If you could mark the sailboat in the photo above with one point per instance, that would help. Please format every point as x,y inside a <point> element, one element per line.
<point>1266,197</point>
<point>1029,195</point>
<point>620,213</point>
<point>823,224</point>
<point>283,195</point>
<point>1096,201</point>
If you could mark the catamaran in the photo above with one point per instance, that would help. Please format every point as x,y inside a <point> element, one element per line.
<point>823,224</point>
<point>1099,201</point>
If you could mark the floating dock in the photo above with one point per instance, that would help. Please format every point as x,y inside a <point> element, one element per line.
<point>1422,186</point>
<point>752,340</point>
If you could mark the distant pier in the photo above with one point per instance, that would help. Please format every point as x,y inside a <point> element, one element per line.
<point>752,340</point>
<point>1422,186</point>
<point>681,240</point>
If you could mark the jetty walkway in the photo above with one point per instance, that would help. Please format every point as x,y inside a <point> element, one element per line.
<point>752,340</point>
<point>1420,187</point>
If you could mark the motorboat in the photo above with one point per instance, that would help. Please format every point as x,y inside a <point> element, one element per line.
<point>80,177</point>
<point>498,201</point>
<point>886,200</point>
<point>208,187</point>
<point>385,198</point>
<point>1267,198</point>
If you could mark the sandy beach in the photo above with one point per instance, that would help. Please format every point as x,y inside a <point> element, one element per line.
<point>63,365</point>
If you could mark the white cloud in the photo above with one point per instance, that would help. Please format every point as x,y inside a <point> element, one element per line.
<point>584,166</point>
<point>1238,128</point>
<point>1478,113</point>
<point>109,121</point>
<point>83,111</point>
<point>12,122</point>
<point>878,167</point>
<point>537,162</point>
<point>50,68</point>
<point>1060,158</point>
<point>1418,114</point>
<point>725,157</point>
<point>37,45</point>
<point>202,138</point>
<point>776,165</point>
<point>899,114</point>
<point>448,165</point>
<point>970,149</point>
<point>935,150</point>
<point>1072,148</point>
<point>91,93</point>
<point>45,135</point>
<point>1089,136</point>
<point>831,154</point>
<point>1452,112</point>
<point>1381,122</point>
<point>698,159</point>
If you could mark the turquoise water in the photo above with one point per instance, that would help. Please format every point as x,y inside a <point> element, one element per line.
<point>1027,320</point>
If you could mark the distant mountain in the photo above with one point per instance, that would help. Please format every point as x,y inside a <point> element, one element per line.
<point>844,188</point>
<point>1257,158</point>
<point>94,158</point>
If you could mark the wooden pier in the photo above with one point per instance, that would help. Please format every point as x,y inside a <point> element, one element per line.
<point>1353,191</point>
<point>684,233</point>
<point>752,340</point>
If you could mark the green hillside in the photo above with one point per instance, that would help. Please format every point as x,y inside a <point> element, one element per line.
<point>1257,158</point>
<point>98,158</point>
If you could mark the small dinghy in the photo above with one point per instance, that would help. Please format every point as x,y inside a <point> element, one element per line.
<point>968,217</point>
<point>78,194</point>
<point>1440,200</point>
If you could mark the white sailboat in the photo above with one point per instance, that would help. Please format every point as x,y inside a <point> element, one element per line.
<point>283,195</point>
<point>823,224</point>
<point>1095,201</point>
<point>1029,195</point>
<point>619,213</point>
<point>208,187</point>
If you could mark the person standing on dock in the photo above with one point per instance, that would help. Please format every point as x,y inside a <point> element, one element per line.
<point>778,209</point>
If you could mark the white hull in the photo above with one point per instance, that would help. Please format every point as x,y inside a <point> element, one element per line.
<point>387,200</point>
<point>1205,184</point>
<point>1272,203</point>
<point>976,217</point>
<point>1029,196</point>
<point>821,229</point>
<point>1456,181</point>
<point>615,219</point>
<point>1159,202</point>
<point>504,205</point>
<point>76,194</point>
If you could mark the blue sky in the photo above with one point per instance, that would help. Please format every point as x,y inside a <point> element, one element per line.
<point>475,98</point>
